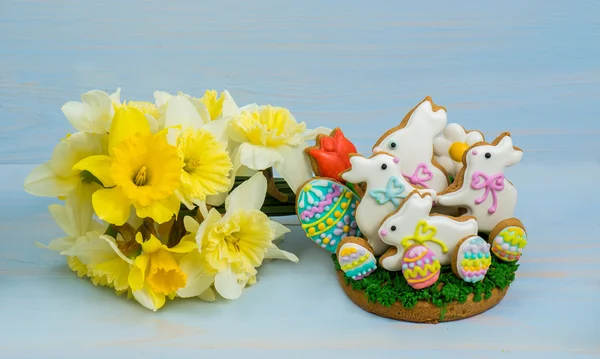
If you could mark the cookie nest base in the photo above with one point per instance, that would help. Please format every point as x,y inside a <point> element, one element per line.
<point>422,312</point>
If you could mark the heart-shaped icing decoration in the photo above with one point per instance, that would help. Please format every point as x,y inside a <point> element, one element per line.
<point>327,212</point>
<point>421,175</point>
<point>355,260</point>
<point>424,232</point>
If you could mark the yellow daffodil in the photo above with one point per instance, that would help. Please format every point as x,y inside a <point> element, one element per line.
<point>230,248</point>
<point>157,269</point>
<point>150,273</point>
<point>57,177</point>
<point>270,137</point>
<point>149,109</point>
<point>93,114</point>
<point>142,170</point>
<point>206,166</point>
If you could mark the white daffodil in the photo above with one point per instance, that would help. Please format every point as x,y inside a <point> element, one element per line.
<point>270,137</point>
<point>186,111</point>
<point>75,219</point>
<point>212,113</point>
<point>450,145</point>
<point>232,246</point>
<point>93,114</point>
<point>57,178</point>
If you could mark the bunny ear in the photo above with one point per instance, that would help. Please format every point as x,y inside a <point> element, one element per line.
<point>513,154</point>
<point>356,173</point>
<point>505,141</point>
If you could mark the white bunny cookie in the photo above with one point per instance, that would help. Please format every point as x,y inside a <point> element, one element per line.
<point>412,143</point>
<point>412,223</point>
<point>386,188</point>
<point>480,187</point>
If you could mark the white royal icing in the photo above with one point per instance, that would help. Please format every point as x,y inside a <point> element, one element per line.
<point>453,134</point>
<point>413,145</point>
<point>386,188</point>
<point>485,193</point>
<point>438,233</point>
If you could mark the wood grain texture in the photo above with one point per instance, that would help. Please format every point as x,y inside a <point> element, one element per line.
<point>528,67</point>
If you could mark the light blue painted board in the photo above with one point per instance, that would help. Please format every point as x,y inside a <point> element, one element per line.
<point>531,68</point>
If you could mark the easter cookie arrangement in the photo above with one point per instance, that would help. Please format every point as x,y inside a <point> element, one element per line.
<point>423,228</point>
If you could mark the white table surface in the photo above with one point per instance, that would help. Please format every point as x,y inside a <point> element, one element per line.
<point>531,68</point>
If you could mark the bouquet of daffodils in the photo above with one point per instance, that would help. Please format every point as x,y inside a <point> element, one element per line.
<point>173,198</point>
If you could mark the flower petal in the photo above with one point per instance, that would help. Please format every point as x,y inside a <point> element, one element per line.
<point>76,114</point>
<point>295,167</point>
<point>161,211</point>
<point>149,299</point>
<point>161,98</point>
<point>183,247</point>
<point>227,284</point>
<point>59,244</point>
<point>180,111</point>
<point>275,253</point>
<point>208,295</point>
<point>92,251</point>
<point>441,145</point>
<point>218,128</point>
<point>99,110</point>
<point>454,132</point>
<point>111,205</point>
<point>99,166</point>
<point>111,242</point>
<point>152,123</point>
<point>249,195</point>
<point>42,181</point>
<point>126,122</point>
<point>258,157</point>
<point>79,207</point>
<point>137,276</point>
<point>473,137</point>
<point>230,108</point>
<point>279,229</point>
<point>312,134</point>
<point>213,217</point>
<point>115,97</point>
<point>61,217</point>
<point>198,279</point>
<point>190,224</point>
<point>149,246</point>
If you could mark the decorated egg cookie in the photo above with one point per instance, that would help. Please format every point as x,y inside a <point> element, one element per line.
<point>356,258</point>
<point>472,259</point>
<point>327,212</point>
<point>420,266</point>
<point>508,245</point>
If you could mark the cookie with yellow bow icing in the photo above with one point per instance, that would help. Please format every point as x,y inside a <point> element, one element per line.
<point>412,223</point>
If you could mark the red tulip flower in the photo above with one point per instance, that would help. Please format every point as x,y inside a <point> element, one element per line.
<point>331,155</point>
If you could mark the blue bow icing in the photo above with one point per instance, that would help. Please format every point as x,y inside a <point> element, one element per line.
<point>392,192</point>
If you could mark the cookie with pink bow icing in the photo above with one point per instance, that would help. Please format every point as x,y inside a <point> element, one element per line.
<point>412,142</point>
<point>385,190</point>
<point>484,192</point>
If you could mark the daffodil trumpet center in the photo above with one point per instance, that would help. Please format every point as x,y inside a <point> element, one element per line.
<point>141,178</point>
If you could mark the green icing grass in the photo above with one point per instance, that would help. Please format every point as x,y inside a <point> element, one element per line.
<point>386,287</point>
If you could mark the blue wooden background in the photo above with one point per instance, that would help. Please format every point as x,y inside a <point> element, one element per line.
<point>528,67</point>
